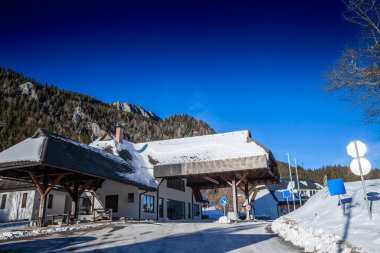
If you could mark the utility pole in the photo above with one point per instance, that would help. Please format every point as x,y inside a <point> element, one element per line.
<point>298,182</point>
<point>291,182</point>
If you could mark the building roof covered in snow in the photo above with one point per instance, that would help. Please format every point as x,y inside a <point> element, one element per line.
<point>51,150</point>
<point>285,183</point>
<point>225,153</point>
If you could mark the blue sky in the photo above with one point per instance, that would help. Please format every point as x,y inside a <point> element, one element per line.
<point>239,64</point>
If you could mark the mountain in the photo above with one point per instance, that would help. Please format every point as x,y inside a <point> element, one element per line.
<point>127,107</point>
<point>26,105</point>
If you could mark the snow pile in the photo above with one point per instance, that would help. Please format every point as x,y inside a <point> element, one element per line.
<point>143,169</point>
<point>7,235</point>
<point>320,226</point>
<point>224,220</point>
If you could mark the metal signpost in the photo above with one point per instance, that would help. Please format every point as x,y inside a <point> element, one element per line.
<point>291,182</point>
<point>224,201</point>
<point>286,194</point>
<point>360,166</point>
<point>298,182</point>
<point>336,187</point>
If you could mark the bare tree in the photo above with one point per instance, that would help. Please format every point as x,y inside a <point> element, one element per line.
<point>357,73</point>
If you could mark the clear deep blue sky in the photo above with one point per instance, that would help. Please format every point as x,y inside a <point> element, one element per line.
<point>237,64</point>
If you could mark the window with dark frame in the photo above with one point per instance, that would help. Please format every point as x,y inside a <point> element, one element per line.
<point>50,201</point>
<point>176,183</point>
<point>131,197</point>
<point>24,199</point>
<point>112,202</point>
<point>3,201</point>
<point>196,210</point>
<point>189,210</point>
<point>161,208</point>
<point>148,204</point>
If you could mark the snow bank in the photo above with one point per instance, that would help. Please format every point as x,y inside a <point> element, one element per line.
<point>7,235</point>
<point>320,226</point>
<point>224,220</point>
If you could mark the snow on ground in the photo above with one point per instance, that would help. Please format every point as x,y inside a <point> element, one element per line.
<point>320,226</point>
<point>160,237</point>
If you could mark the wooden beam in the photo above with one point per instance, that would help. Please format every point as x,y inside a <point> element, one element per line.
<point>84,187</point>
<point>54,183</point>
<point>253,186</point>
<point>36,183</point>
<point>69,191</point>
<point>211,180</point>
<point>242,178</point>
<point>227,179</point>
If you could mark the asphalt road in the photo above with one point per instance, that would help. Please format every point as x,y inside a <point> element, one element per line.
<point>160,237</point>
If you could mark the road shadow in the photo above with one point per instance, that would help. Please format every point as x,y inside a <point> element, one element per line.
<point>43,245</point>
<point>220,240</point>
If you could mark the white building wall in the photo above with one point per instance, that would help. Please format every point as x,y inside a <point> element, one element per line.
<point>58,206</point>
<point>125,209</point>
<point>13,210</point>
<point>131,210</point>
<point>265,205</point>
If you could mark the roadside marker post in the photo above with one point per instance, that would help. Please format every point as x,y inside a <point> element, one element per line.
<point>360,166</point>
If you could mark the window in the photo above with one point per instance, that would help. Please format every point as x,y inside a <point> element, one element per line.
<point>161,208</point>
<point>112,202</point>
<point>148,204</point>
<point>176,183</point>
<point>3,201</point>
<point>131,197</point>
<point>196,210</point>
<point>24,199</point>
<point>189,210</point>
<point>50,201</point>
<point>175,209</point>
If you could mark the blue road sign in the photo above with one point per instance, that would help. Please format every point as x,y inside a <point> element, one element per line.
<point>286,194</point>
<point>223,201</point>
<point>336,186</point>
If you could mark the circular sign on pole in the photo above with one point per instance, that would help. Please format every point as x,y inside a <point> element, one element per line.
<point>223,201</point>
<point>361,149</point>
<point>365,165</point>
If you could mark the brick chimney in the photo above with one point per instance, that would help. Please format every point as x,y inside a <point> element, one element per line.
<point>119,134</point>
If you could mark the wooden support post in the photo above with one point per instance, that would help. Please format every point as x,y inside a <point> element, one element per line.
<point>234,198</point>
<point>246,195</point>
<point>76,200</point>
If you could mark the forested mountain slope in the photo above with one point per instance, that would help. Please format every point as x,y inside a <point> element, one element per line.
<point>26,105</point>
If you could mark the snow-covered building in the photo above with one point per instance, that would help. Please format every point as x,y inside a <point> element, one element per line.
<point>270,202</point>
<point>152,180</point>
